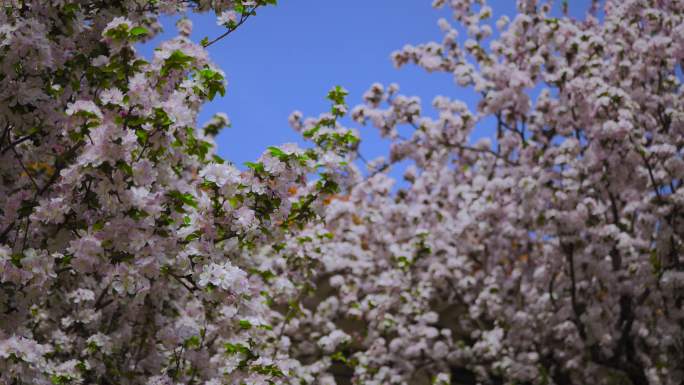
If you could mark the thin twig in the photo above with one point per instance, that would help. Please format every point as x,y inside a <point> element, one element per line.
<point>21,162</point>
<point>243,19</point>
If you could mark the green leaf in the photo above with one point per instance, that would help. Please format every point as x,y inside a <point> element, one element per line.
<point>268,370</point>
<point>337,95</point>
<point>257,167</point>
<point>338,356</point>
<point>16,259</point>
<point>70,10</point>
<point>218,159</point>
<point>138,31</point>
<point>177,60</point>
<point>238,348</point>
<point>310,133</point>
<point>60,379</point>
<point>277,152</point>
<point>213,82</point>
<point>195,235</point>
<point>193,342</point>
<point>266,275</point>
<point>26,208</point>
<point>142,135</point>
<point>118,33</point>
<point>124,167</point>
<point>403,262</point>
<point>137,214</point>
<point>185,198</point>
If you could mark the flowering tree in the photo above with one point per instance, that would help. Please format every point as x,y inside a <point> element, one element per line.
<point>131,254</point>
<point>125,242</point>
<point>552,256</point>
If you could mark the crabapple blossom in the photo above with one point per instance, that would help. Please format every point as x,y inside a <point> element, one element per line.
<point>126,244</point>
<point>550,254</point>
<point>130,253</point>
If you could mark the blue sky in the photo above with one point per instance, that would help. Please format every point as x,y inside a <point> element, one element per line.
<point>289,56</point>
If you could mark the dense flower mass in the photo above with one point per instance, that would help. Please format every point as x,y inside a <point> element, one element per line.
<point>125,242</point>
<point>130,253</point>
<point>548,255</point>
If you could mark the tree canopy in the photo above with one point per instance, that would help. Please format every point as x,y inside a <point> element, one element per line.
<point>130,253</point>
